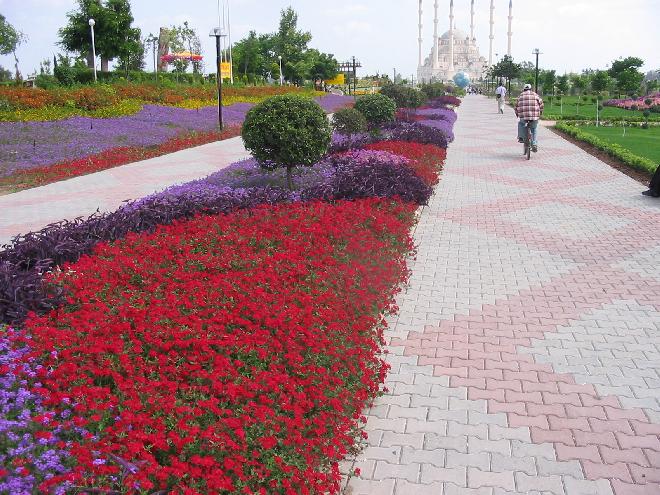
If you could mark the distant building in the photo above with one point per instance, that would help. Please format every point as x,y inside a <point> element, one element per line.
<point>455,51</point>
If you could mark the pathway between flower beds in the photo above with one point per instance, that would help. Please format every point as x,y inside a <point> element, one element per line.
<point>526,355</point>
<point>33,209</point>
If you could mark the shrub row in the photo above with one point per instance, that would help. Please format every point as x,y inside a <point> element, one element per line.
<point>612,149</point>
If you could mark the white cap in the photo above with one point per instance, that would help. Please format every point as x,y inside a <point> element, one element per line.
<point>527,86</point>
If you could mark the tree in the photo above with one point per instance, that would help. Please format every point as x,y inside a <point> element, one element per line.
<point>507,69</point>
<point>548,79</point>
<point>579,83</point>
<point>321,66</point>
<point>377,109</point>
<point>249,56</point>
<point>291,45</point>
<point>562,84</point>
<point>185,39</point>
<point>5,75</point>
<point>627,75</point>
<point>114,34</point>
<point>132,55</point>
<point>287,131</point>
<point>600,81</point>
<point>10,39</point>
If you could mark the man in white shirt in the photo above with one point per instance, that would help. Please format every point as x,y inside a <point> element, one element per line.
<point>500,94</point>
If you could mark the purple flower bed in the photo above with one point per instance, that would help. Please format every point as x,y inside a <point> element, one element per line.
<point>438,114</point>
<point>27,431</point>
<point>365,173</point>
<point>26,145</point>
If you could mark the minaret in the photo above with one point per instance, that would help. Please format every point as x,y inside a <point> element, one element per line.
<point>451,38</point>
<point>472,21</point>
<point>492,32</point>
<point>421,40</point>
<point>510,26</point>
<point>434,63</point>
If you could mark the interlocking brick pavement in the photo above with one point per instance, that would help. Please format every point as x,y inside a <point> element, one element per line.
<point>526,355</point>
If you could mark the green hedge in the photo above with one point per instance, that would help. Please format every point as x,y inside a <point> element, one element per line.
<point>639,119</point>
<point>612,149</point>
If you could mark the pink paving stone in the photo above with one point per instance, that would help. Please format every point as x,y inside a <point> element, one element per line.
<point>628,456</point>
<point>551,436</point>
<point>596,471</point>
<point>643,428</point>
<point>546,409</point>
<point>478,394</point>
<point>583,438</point>
<point>569,452</point>
<point>559,424</point>
<point>585,412</point>
<point>540,422</point>
<point>506,407</point>
<point>618,413</point>
<point>495,374</point>
<point>540,387</point>
<point>622,488</point>
<point>638,441</point>
<point>645,474</point>
<point>611,425</point>
<point>448,371</point>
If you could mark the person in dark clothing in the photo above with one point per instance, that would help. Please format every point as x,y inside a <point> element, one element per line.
<point>654,185</point>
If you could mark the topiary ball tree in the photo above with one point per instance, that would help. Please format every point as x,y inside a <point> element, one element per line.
<point>349,121</point>
<point>377,109</point>
<point>287,131</point>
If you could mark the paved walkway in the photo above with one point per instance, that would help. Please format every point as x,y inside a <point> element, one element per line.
<point>526,355</point>
<point>33,209</point>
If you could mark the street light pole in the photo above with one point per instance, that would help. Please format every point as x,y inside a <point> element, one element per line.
<point>279,57</point>
<point>217,34</point>
<point>91,26</point>
<point>536,52</point>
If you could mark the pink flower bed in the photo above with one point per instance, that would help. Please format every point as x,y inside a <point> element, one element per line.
<point>640,102</point>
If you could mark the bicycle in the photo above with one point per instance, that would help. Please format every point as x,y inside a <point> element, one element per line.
<point>527,141</point>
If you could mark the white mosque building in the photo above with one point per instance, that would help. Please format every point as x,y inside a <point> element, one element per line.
<point>455,52</point>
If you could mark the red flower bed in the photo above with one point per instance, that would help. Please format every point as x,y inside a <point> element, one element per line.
<point>227,354</point>
<point>108,159</point>
<point>426,159</point>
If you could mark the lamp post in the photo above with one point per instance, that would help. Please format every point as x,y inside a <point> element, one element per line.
<point>536,52</point>
<point>279,57</point>
<point>91,26</point>
<point>217,34</point>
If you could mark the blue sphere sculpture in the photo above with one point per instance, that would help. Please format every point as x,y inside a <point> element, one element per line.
<point>462,80</point>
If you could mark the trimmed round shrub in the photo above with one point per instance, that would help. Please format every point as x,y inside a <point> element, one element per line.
<point>377,109</point>
<point>349,121</point>
<point>403,96</point>
<point>434,90</point>
<point>287,131</point>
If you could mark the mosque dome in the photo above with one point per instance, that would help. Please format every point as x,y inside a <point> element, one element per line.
<point>458,34</point>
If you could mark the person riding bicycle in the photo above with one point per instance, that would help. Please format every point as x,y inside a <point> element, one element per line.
<point>529,108</point>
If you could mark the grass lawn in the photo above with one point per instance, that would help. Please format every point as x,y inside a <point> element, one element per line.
<point>642,142</point>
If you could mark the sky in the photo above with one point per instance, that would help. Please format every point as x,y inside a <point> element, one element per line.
<point>382,34</point>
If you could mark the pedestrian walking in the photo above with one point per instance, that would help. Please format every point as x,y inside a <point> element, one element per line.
<point>500,95</point>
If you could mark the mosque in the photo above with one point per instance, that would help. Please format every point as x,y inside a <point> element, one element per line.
<point>455,52</point>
